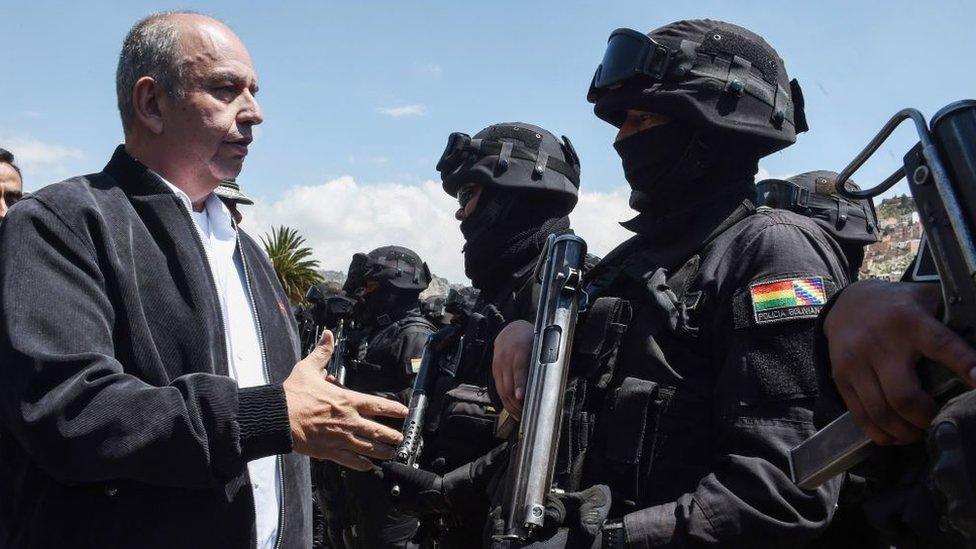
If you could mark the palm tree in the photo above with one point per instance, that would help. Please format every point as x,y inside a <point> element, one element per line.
<point>291,260</point>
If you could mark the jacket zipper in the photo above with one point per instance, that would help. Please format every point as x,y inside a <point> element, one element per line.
<point>226,341</point>
<point>267,376</point>
<point>210,275</point>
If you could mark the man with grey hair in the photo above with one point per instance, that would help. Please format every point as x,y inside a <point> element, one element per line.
<point>153,394</point>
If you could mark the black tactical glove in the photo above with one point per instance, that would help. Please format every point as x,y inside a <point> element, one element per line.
<point>951,442</point>
<point>573,520</point>
<point>421,492</point>
<point>461,490</point>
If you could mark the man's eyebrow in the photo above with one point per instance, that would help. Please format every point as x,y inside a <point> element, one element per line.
<point>232,76</point>
<point>235,77</point>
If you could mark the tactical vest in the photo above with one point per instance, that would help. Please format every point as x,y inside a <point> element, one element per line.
<point>644,312</point>
<point>377,366</point>
<point>461,419</point>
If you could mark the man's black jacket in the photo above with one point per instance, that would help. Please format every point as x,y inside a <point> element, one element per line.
<point>120,426</point>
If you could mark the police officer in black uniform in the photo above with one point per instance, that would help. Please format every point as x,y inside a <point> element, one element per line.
<point>516,184</point>
<point>386,283</point>
<point>853,224</point>
<point>714,380</point>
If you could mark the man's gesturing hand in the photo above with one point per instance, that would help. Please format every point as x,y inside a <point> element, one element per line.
<point>877,332</point>
<point>510,364</point>
<point>333,423</point>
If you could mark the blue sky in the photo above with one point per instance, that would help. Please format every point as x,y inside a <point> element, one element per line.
<point>334,76</point>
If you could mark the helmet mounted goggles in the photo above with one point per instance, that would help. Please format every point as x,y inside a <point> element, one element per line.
<point>393,267</point>
<point>462,149</point>
<point>631,54</point>
<point>634,57</point>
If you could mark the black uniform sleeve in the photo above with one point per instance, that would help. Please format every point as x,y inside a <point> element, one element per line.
<point>70,403</point>
<point>412,341</point>
<point>778,280</point>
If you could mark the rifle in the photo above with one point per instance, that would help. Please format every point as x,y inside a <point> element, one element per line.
<point>941,173</point>
<point>560,274</point>
<point>339,361</point>
<point>413,425</point>
<point>321,313</point>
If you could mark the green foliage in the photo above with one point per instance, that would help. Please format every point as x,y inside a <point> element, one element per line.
<point>292,262</point>
<point>896,206</point>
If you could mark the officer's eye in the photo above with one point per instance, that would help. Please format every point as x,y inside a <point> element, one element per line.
<point>465,195</point>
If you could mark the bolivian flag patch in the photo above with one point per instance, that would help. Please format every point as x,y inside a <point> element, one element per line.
<point>787,299</point>
<point>415,364</point>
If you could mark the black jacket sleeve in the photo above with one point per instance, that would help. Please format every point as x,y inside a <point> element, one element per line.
<point>764,395</point>
<point>412,341</point>
<point>72,405</point>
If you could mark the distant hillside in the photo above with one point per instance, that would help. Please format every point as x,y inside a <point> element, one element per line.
<point>896,206</point>
<point>900,234</point>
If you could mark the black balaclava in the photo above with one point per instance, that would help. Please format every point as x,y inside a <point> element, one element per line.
<point>386,302</point>
<point>507,231</point>
<point>680,174</point>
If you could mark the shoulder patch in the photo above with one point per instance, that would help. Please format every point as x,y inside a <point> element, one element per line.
<point>415,365</point>
<point>787,299</point>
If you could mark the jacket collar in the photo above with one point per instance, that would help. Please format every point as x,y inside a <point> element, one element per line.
<point>133,176</point>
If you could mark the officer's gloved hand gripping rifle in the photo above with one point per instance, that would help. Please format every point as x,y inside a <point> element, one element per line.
<point>534,455</point>
<point>941,173</point>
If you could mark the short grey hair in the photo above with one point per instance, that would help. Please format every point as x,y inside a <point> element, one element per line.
<point>151,48</point>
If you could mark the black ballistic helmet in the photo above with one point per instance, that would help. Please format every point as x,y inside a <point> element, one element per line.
<point>326,306</point>
<point>395,266</point>
<point>513,155</point>
<point>702,72</point>
<point>814,194</point>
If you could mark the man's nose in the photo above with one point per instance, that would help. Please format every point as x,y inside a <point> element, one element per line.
<point>3,207</point>
<point>251,112</point>
<point>459,214</point>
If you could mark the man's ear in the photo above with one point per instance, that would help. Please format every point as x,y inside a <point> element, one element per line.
<point>145,99</point>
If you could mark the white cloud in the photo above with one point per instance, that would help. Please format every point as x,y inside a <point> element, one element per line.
<point>432,68</point>
<point>342,217</point>
<point>764,174</point>
<point>597,219</point>
<point>34,153</point>
<point>40,161</point>
<point>403,110</point>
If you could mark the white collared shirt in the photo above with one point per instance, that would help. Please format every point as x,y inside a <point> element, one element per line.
<point>245,359</point>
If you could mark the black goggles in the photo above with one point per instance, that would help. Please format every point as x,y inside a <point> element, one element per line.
<point>461,149</point>
<point>630,54</point>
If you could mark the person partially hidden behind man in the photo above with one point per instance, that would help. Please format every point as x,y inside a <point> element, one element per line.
<point>11,182</point>
<point>152,390</point>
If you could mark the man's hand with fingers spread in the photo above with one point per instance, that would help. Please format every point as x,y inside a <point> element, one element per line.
<point>877,332</point>
<point>332,423</point>
<point>510,364</point>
